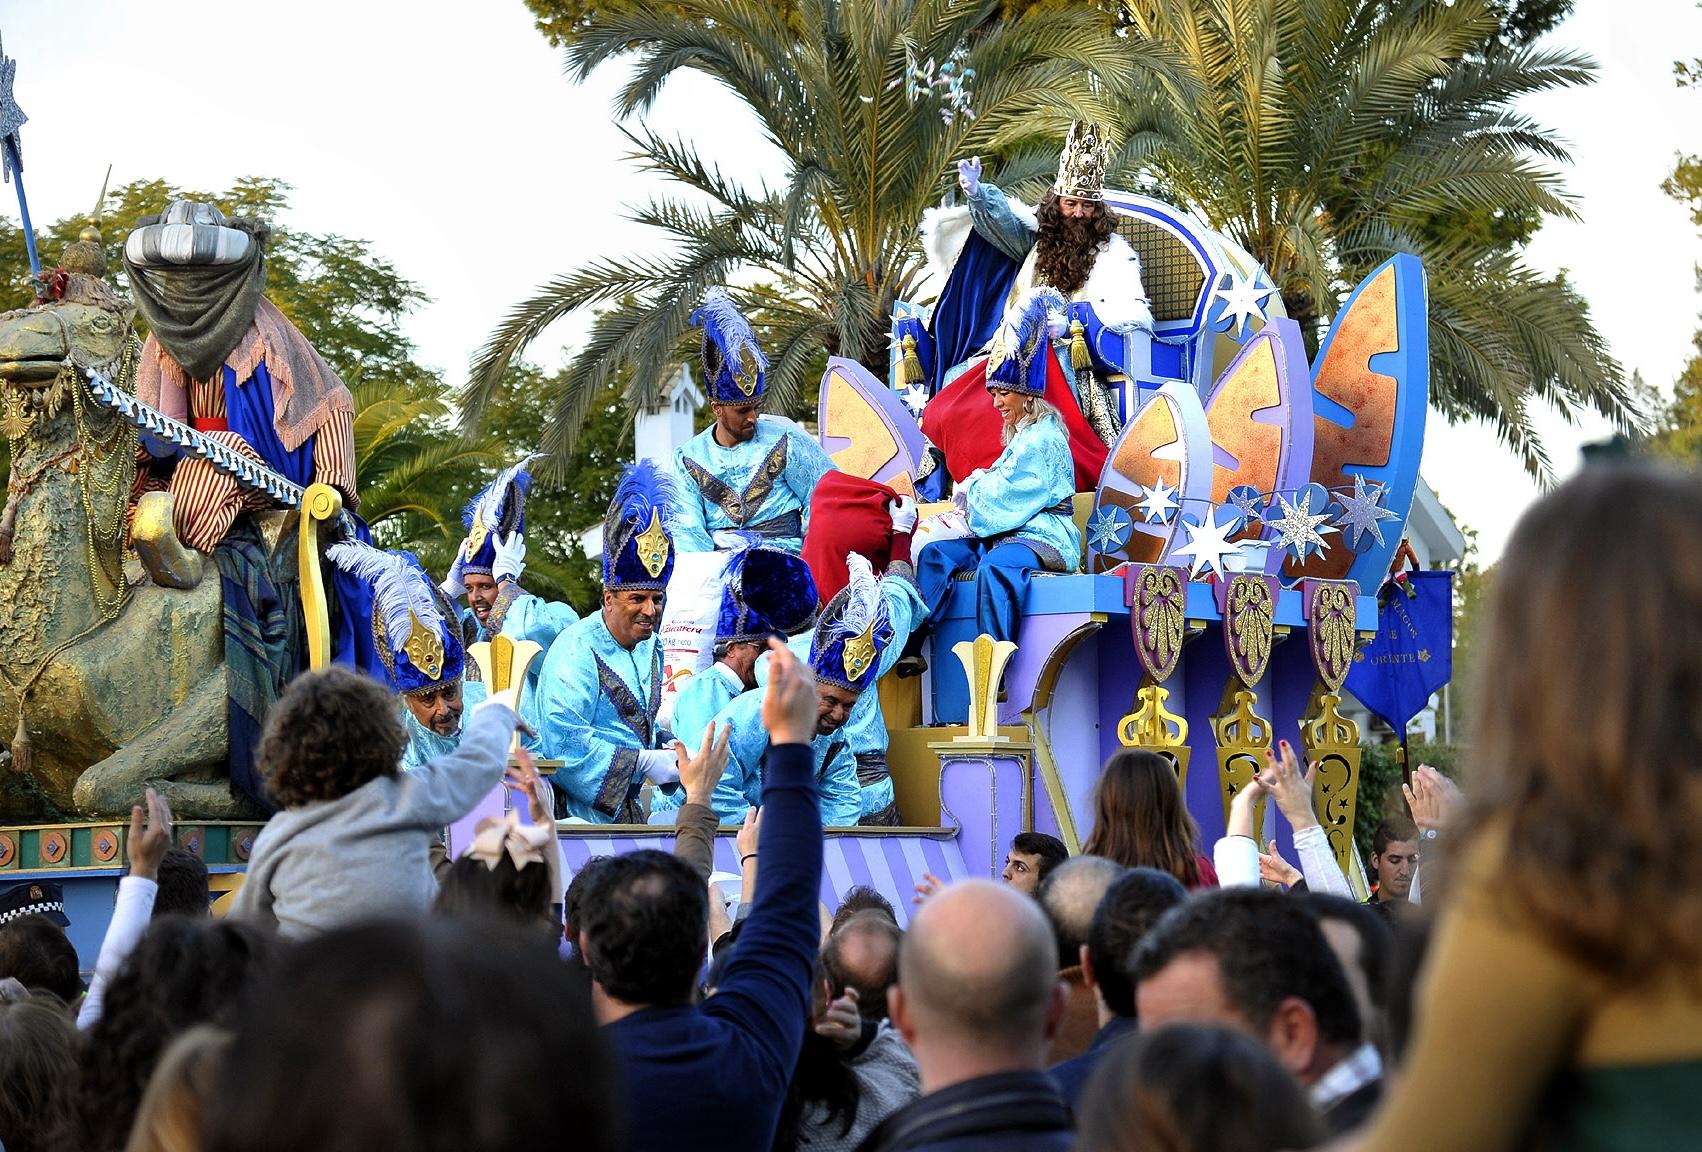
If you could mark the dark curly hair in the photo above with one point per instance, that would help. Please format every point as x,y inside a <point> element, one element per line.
<point>1067,246</point>
<point>646,920</point>
<point>330,732</point>
<point>36,951</point>
<point>38,1066</point>
<point>185,970</point>
<point>427,1036</point>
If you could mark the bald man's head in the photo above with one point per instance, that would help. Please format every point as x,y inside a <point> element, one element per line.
<point>976,969</point>
<point>862,953</point>
<point>1071,894</point>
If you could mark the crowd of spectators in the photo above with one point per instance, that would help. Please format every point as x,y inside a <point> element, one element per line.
<point>1152,992</point>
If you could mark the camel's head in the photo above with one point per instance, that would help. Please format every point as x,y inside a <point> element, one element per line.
<point>88,324</point>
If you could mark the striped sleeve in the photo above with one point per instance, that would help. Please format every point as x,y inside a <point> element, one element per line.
<point>334,455</point>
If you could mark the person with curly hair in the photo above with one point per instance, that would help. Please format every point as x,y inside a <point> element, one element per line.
<point>1560,1005</point>
<point>185,971</point>
<point>350,841</point>
<point>38,1076</point>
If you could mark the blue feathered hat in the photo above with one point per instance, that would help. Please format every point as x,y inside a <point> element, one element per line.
<point>768,592</point>
<point>638,543</point>
<point>854,629</point>
<point>733,366</point>
<point>496,511</point>
<point>1016,360</point>
<point>416,632</point>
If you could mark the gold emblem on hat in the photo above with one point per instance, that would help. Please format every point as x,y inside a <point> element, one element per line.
<point>746,376</point>
<point>860,653</point>
<point>476,535</point>
<point>424,647</point>
<point>653,545</point>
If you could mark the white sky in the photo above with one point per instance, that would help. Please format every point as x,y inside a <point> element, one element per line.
<point>443,132</point>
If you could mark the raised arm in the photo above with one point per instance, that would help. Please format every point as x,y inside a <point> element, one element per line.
<point>146,848</point>
<point>765,990</point>
<point>445,789</point>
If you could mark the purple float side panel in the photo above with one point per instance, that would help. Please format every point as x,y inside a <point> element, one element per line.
<point>1204,670</point>
<point>1119,678</point>
<point>982,794</point>
<point>495,804</point>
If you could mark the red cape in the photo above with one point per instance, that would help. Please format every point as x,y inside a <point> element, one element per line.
<point>962,423</point>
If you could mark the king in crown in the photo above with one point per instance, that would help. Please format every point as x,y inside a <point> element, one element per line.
<point>993,252</point>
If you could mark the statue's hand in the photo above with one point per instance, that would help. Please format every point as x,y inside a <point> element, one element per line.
<point>969,175</point>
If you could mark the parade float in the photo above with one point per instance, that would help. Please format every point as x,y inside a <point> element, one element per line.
<point>1232,553</point>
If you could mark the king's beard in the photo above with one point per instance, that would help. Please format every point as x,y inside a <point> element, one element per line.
<point>1064,253</point>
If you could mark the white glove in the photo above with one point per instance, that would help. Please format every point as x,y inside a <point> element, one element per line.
<point>453,586</point>
<point>510,557</point>
<point>969,175</point>
<point>1056,323</point>
<point>903,512</point>
<point>660,767</point>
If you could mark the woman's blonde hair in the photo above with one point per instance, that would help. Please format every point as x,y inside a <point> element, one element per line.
<point>169,1119</point>
<point>1587,752</point>
<point>1037,409</point>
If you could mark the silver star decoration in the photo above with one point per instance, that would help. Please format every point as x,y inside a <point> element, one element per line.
<point>12,117</point>
<point>1208,544</point>
<point>1361,511</point>
<point>1158,503</point>
<point>915,398</point>
<point>1108,530</point>
<point>1297,528</point>
<point>1242,299</point>
<point>1244,498</point>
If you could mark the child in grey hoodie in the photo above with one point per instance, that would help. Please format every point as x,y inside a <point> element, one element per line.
<point>350,840</point>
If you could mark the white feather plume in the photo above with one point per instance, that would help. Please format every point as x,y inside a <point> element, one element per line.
<point>399,586</point>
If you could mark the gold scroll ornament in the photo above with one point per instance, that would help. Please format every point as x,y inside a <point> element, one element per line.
<point>1331,740</point>
<point>1243,736</point>
<point>320,504</point>
<point>1157,597</point>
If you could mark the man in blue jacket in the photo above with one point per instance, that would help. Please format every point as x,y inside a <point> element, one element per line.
<point>714,1075</point>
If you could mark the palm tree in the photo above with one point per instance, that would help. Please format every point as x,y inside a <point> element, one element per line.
<point>410,466</point>
<point>1325,135</point>
<point>820,258</point>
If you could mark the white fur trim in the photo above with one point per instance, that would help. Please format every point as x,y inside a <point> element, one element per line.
<point>944,233</point>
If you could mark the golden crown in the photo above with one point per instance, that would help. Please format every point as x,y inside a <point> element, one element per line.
<point>1081,165</point>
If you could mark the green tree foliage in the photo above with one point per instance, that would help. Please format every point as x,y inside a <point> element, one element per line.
<point>1676,431</point>
<point>819,258</point>
<point>1333,133</point>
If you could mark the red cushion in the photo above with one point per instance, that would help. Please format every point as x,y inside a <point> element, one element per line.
<point>847,514</point>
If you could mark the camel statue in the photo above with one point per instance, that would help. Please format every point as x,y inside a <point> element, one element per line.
<point>109,681</point>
